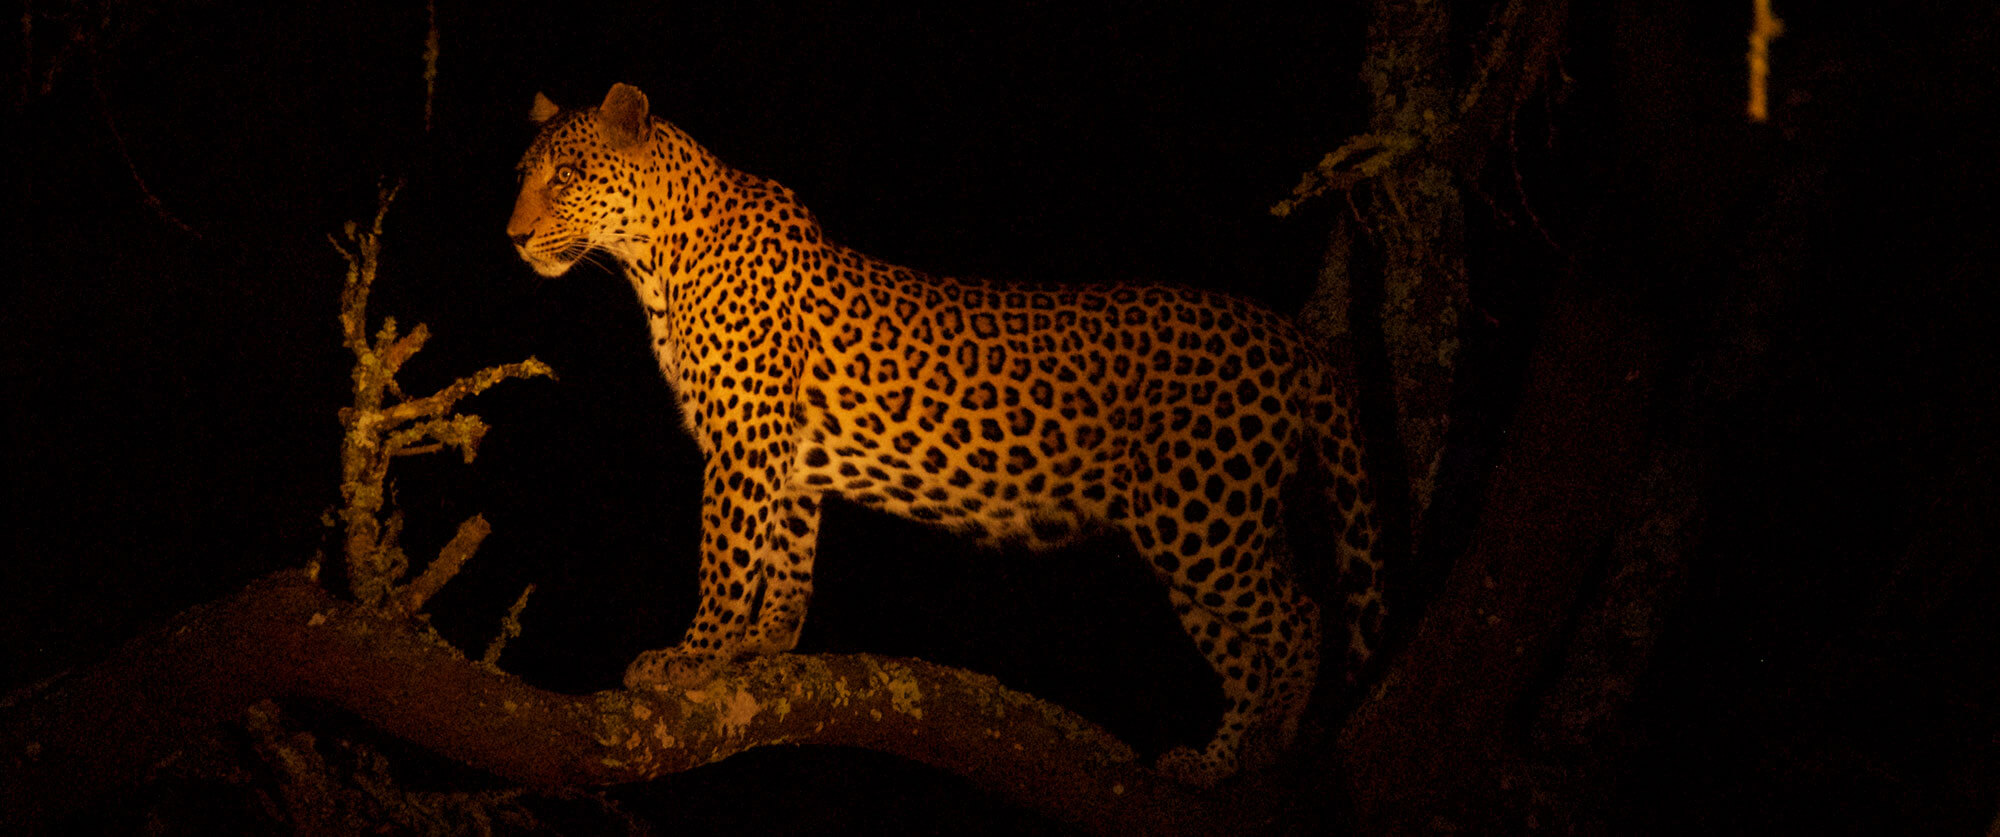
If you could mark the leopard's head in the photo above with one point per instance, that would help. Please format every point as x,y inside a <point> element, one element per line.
<point>582,179</point>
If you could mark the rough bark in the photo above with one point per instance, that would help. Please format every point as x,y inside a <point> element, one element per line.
<point>1433,741</point>
<point>1418,223</point>
<point>1430,746</point>
<point>1429,135</point>
<point>75,740</point>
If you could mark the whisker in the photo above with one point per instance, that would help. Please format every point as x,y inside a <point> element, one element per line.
<point>597,258</point>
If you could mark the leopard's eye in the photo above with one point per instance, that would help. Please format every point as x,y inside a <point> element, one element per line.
<point>566,174</point>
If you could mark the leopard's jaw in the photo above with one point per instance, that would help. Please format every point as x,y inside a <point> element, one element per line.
<point>547,267</point>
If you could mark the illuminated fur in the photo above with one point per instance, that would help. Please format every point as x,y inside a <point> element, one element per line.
<point>1003,411</point>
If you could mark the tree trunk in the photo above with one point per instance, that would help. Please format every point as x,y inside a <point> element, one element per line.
<point>1432,744</point>
<point>1418,223</point>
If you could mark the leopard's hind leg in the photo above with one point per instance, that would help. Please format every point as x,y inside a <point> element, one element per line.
<point>1246,619</point>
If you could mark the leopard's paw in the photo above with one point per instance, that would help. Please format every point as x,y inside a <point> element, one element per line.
<point>671,668</point>
<point>769,639</point>
<point>1193,767</point>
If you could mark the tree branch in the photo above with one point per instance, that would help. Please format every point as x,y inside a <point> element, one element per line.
<point>283,636</point>
<point>450,560</point>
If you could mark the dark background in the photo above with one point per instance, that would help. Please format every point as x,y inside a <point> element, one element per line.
<point>174,369</point>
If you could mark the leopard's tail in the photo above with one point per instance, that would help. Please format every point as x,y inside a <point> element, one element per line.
<point>1334,452</point>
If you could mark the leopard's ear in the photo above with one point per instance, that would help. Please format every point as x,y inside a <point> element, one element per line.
<point>542,109</point>
<point>623,116</point>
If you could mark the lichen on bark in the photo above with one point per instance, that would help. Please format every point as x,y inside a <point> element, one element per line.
<point>377,433</point>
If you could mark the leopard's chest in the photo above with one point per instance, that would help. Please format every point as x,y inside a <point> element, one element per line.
<point>722,327</point>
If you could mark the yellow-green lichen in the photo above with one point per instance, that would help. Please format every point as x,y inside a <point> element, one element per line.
<point>738,709</point>
<point>905,695</point>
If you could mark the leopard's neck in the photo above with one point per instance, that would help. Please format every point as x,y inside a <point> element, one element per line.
<point>724,267</point>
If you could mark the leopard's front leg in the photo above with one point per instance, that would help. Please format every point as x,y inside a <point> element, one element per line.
<point>786,584</point>
<point>757,536</point>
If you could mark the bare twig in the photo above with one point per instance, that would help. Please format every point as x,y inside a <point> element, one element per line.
<point>430,62</point>
<point>510,627</point>
<point>1363,157</point>
<point>27,56</point>
<point>146,195</point>
<point>443,400</point>
<point>361,261</point>
<point>1764,28</point>
<point>450,560</point>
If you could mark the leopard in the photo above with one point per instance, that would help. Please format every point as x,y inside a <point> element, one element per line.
<point>1011,412</point>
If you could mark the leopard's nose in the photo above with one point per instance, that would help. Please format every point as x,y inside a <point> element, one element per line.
<point>519,239</point>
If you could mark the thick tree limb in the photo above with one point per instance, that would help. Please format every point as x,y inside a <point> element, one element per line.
<point>283,636</point>
<point>1431,743</point>
<point>1552,503</point>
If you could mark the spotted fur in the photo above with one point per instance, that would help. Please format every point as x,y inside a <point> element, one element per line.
<point>1008,412</point>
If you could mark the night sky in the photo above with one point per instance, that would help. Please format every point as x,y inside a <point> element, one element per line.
<point>175,368</point>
